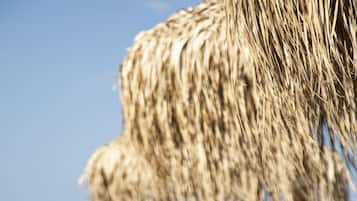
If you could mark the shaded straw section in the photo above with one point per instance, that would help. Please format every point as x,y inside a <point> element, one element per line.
<point>227,101</point>
<point>303,45</point>
<point>303,54</point>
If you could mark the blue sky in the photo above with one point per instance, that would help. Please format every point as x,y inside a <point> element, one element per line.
<point>58,62</point>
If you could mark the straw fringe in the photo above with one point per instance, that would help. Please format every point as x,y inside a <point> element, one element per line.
<point>229,100</point>
<point>117,172</point>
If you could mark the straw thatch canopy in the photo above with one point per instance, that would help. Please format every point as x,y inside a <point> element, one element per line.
<point>236,100</point>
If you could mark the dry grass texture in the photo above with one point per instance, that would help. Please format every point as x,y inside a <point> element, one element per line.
<point>226,100</point>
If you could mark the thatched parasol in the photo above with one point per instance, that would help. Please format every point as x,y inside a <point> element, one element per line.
<point>229,100</point>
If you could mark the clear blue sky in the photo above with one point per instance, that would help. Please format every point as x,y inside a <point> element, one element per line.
<point>58,62</point>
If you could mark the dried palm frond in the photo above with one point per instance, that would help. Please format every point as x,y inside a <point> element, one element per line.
<point>236,115</point>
